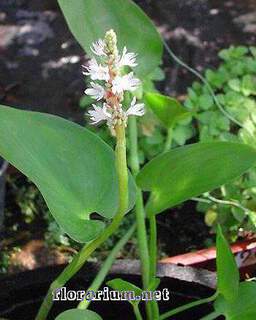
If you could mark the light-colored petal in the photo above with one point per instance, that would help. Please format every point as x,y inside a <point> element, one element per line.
<point>127,59</point>
<point>96,71</point>
<point>96,91</point>
<point>125,83</point>
<point>98,48</point>
<point>99,114</point>
<point>136,109</point>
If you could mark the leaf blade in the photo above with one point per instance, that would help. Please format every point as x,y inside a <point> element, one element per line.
<point>189,171</point>
<point>243,307</point>
<point>167,109</point>
<point>125,286</point>
<point>126,18</point>
<point>76,314</point>
<point>72,167</point>
<point>227,271</point>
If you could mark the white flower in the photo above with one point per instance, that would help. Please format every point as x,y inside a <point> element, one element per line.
<point>136,109</point>
<point>98,114</point>
<point>127,59</point>
<point>96,91</point>
<point>98,48</point>
<point>96,71</point>
<point>126,82</point>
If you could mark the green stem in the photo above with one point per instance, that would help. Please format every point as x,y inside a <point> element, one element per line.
<point>187,306</point>
<point>88,249</point>
<point>139,210</point>
<point>153,257</point>
<point>153,228</point>
<point>137,313</point>
<point>168,142</point>
<point>97,282</point>
<point>211,316</point>
<point>152,220</point>
<point>153,245</point>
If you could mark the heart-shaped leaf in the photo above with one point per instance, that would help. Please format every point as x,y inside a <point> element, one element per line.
<point>127,287</point>
<point>168,110</point>
<point>72,167</point>
<point>189,171</point>
<point>243,307</point>
<point>76,314</point>
<point>89,20</point>
<point>227,271</point>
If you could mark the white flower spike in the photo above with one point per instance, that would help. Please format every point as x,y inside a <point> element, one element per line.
<point>136,109</point>
<point>96,71</point>
<point>127,59</point>
<point>96,91</point>
<point>110,84</point>
<point>98,114</point>
<point>125,83</point>
<point>98,48</point>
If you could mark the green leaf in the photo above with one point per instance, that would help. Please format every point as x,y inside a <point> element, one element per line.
<point>182,133</point>
<point>253,51</point>
<point>89,20</point>
<point>167,109</point>
<point>235,84</point>
<point>72,167</point>
<point>189,171</point>
<point>157,74</point>
<point>243,307</point>
<point>206,101</point>
<point>248,85</point>
<point>77,314</point>
<point>125,286</point>
<point>227,271</point>
<point>154,284</point>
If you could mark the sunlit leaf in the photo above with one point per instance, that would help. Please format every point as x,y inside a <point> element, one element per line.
<point>189,171</point>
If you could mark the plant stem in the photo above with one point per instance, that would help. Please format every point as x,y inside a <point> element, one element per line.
<point>153,225</point>
<point>152,220</point>
<point>139,209</point>
<point>168,142</point>
<point>153,257</point>
<point>97,282</point>
<point>188,306</point>
<point>137,313</point>
<point>121,166</point>
<point>152,245</point>
<point>211,316</point>
<point>151,307</point>
<point>87,250</point>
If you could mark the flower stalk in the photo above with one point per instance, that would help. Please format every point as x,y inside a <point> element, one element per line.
<point>110,82</point>
<point>116,117</point>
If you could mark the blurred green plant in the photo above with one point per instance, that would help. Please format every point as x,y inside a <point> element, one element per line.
<point>234,84</point>
<point>4,262</point>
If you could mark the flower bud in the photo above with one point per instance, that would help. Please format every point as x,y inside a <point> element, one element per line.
<point>111,43</point>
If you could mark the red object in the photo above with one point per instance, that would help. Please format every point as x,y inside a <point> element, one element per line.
<point>245,255</point>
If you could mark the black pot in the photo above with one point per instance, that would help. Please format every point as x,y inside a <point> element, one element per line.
<point>22,294</point>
